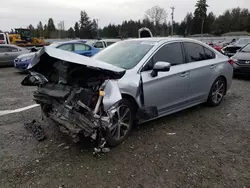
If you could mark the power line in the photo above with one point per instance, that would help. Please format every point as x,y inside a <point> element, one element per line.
<point>172,14</point>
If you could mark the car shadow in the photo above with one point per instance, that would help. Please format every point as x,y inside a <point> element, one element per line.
<point>171,117</point>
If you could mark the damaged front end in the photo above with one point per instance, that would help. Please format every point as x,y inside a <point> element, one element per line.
<point>78,93</point>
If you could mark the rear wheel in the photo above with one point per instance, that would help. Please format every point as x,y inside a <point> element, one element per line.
<point>217,92</point>
<point>123,120</point>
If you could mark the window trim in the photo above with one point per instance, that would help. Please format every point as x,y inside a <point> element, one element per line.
<point>159,47</point>
<point>210,51</point>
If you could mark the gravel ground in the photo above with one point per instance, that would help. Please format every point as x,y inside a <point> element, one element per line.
<point>210,147</point>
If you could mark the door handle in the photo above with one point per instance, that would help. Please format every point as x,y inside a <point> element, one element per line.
<point>184,74</point>
<point>212,66</point>
<point>6,54</point>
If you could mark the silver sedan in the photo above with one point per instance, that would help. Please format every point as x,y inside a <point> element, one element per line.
<point>9,52</point>
<point>131,81</point>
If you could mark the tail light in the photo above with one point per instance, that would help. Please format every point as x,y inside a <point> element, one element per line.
<point>231,61</point>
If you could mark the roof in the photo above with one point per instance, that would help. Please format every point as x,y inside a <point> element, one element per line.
<point>162,39</point>
<point>65,42</point>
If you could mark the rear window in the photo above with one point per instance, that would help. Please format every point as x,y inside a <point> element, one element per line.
<point>98,45</point>
<point>195,52</point>
<point>209,54</point>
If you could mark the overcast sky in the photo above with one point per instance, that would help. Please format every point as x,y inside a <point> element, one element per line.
<point>21,13</point>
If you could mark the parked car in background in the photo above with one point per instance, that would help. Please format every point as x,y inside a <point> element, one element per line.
<point>131,81</point>
<point>232,48</point>
<point>215,46</point>
<point>100,44</point>
<point>9,52</point>
<point>242,61</point>
<point>22,61</point>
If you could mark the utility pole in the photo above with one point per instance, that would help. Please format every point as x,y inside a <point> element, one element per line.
<point>202,24</point>
<point>97,20</point>
<point>172,14</point>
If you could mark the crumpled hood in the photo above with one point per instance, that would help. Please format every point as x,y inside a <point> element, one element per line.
<point>73,58</point>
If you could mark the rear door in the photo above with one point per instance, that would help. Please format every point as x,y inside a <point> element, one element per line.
<point>169,90</point>
<point>5,55</point>
<point>201,62</point>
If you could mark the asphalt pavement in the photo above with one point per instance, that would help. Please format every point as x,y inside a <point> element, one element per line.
<point>198,147</point>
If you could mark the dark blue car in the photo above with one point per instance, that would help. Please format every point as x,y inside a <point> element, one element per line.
<point>22,61</point>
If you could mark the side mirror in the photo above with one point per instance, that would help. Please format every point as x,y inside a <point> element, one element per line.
<point>160,66</point>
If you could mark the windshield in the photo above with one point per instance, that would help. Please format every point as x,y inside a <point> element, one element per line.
<point>126,54</point>
<point>243,42</point>
<point>246,48</point>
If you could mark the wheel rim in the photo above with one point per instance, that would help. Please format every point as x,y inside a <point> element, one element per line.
<point>218,91</point>
<point>121,122</point>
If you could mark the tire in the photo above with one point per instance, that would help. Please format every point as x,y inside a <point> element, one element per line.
<point>118,132</point>
<point>217,92</point>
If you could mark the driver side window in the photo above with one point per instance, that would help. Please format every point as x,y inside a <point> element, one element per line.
<point>171,53</point>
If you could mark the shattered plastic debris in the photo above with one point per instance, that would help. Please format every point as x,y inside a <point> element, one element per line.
<point>66,148</point>
<point>35,129</point>
<point>60,145</point>
<point>101,150</point>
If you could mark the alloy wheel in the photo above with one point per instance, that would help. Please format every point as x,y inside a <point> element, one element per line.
<point>122,121</point>
<point>218,91</point>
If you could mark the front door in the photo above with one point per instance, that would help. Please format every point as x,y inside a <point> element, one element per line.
<point>169,90</point>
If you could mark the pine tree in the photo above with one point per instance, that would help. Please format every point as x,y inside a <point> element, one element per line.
<point>77,30</point>
<point>71,33</point>
<point>40,29</point>
<point>85,26</point>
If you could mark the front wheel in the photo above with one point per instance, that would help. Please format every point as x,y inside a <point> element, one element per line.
<point>123,120</point>
<point>217,92</point>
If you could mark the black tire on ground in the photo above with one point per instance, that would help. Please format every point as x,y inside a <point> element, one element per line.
<point>217,92</point>
<point>124,106</point>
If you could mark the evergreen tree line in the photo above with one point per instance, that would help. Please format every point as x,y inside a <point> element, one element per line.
<point>199,21</point>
